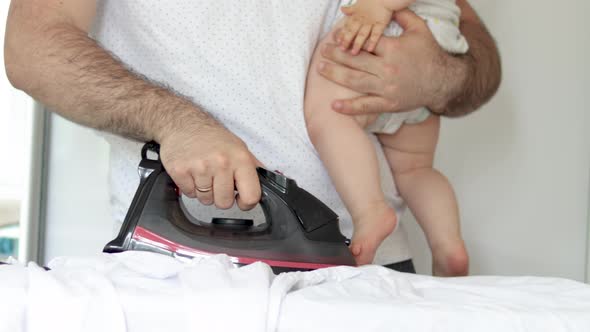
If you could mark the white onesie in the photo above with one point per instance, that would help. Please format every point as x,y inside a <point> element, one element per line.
<point>442,17</point>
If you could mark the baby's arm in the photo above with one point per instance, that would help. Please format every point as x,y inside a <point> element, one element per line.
<point>366,21</point>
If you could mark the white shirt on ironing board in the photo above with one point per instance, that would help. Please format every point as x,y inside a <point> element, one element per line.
<point>245,63</point>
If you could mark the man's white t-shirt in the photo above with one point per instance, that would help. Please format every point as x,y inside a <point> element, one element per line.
<point>245,62</point>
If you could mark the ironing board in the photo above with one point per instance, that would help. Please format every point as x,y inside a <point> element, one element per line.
<point>143,291</point>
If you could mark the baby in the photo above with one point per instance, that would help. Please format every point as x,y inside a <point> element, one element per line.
<point>408,139</point>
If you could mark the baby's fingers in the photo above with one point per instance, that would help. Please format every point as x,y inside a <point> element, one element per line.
<point>376,33</point>
<point>351,28</point>
<point>348,10</point>
<point>361,38</point>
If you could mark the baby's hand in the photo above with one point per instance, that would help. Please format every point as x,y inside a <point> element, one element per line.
<point>366,21</point>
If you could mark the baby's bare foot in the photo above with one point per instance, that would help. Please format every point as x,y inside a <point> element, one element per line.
<point>370,229</point>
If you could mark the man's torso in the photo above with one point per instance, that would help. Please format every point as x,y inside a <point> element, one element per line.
<point>244,62</point>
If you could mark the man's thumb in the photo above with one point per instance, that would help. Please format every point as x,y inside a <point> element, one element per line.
<point>408,20</point>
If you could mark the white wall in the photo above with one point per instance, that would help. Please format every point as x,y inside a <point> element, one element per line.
<point>520,166</point>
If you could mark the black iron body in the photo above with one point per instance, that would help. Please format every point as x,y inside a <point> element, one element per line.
<point>300,232</point>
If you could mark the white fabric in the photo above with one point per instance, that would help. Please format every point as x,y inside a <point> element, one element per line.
<point>139,291</point>
<point>442,18</point>
<point>245,63</point>
<point>390,123</point>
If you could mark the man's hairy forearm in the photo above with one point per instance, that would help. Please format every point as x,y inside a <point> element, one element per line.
<point>481,68</point>
<point>72,75</point>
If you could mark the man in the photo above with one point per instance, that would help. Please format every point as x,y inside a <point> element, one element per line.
<point>242,67</point>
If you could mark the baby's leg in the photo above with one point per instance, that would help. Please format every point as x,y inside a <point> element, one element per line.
<point>351,161</point>
<point>429,195</point>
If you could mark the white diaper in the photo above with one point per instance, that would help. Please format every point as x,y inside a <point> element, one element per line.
<point>442,17</point>
<point>389,123</point>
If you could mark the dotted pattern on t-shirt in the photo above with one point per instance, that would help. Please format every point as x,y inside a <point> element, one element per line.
<point>245,62</point>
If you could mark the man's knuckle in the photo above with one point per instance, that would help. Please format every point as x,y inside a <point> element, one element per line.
<point>201,166</point>
<point>222,161</point>
<point>178,169</point>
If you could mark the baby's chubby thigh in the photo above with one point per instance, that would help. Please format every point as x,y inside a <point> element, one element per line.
<point>321,93</point>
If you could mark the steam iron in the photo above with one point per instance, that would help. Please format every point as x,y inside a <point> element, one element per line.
<point>299,233</point>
